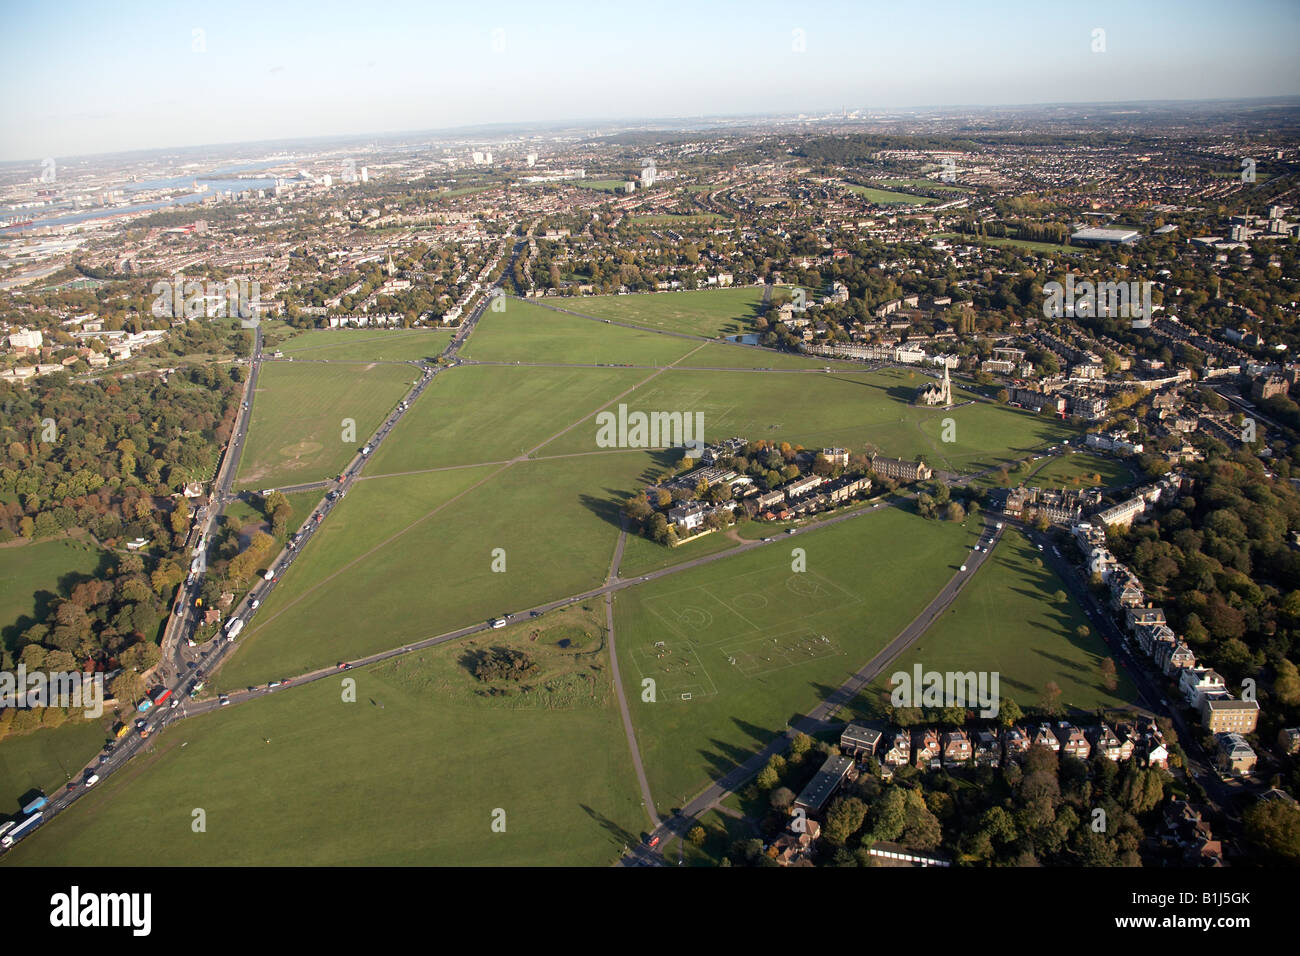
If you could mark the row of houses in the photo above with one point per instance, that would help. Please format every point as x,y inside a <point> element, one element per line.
<point>929,749</point>
<point>1202,688</point>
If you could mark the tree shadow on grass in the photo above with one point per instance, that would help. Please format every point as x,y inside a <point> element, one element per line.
<point>621,835</point>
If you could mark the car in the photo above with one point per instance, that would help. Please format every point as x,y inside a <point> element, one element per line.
<point>255,604</point>
<point>652,842</point>
<point>224,700</point>
<point>767,539</point>
<point>1040,547</point>
<point>272,684</point>
<point>347,667</point>
<point>286,680</point>
<point>318,517</point>
<point>72,785</point>
<point>963,567</point>
<point>139,725</point>
<point>176,702</point>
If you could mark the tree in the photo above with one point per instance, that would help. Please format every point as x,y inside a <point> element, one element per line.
<point>696,835</point>
<point>1274,826</point>
<point>800,744</point>
<point>781,798</point>
<point>127,687</point>
<point>1051,702</point>
<point>1009,712</point>
<point>1109,679</point>
<point>843,819</point>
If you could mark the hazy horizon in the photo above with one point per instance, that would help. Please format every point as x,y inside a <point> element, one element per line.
<point>142,76</point>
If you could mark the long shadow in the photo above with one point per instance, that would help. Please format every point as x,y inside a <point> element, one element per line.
<point>760,735</point>
<point>1061,661</point>
<point>625,836</point>
<point>608,508</point>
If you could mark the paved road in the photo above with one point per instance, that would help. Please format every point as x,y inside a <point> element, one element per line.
<point>820,717</point>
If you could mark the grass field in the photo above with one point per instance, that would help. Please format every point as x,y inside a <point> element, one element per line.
<point>372,345</point>
<point>525,332</point>
<point>676,219</point>
<point>755,644</point>
<point>32,575</point>
<point>713,312</point>
<point>925,184</point>
<point>601,185</point>
<point>887,197</point>
<point>847,409</point>
<point>1082,470</point>
<point>1006,621</point>
<point>483,413</point>
<point>358,589</point>
<point>46,759</point>
<point>1049,248</point>
<point>409,774</point>
<point>296,434</point>
<point>718,355</point>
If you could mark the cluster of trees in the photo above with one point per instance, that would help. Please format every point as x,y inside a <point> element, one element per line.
<point>1046,810</point>
<point>1219,560</point>
<point>502,663</point>
<point>937,502</point>
<point>106,455</point>
<point>107,623</point>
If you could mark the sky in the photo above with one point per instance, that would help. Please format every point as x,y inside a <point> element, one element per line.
<point>84,77</point>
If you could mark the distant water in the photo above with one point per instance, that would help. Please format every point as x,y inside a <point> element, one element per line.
<point>749,338</point>
<point>215,187</point>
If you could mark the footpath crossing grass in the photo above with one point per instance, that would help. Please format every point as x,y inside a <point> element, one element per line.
<point>413,773</point>
<point>297,432</point>
<point>556,522</point>
<point>525,332</point>
<point>479,413</point>
<point>376,345</point>
<point>740,647</point>
<point>1006,620</point>
<point>849,409</point>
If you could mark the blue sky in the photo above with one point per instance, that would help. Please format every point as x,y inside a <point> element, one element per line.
<point>87,77</point>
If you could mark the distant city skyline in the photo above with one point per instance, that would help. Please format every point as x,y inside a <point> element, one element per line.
<point>144,75</point>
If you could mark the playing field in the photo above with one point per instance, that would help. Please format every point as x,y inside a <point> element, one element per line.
<point>1007,621</point>
<point>739,647</point>
<point>1082,470</point>
<point>525,332</point>
<point>887,197</point>
<point>711,312</point>
<point>413,773</point>
<point>300,414</point>
<point>374,345</point>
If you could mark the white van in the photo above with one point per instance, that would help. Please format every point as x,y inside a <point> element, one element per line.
<point>499,622</point>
